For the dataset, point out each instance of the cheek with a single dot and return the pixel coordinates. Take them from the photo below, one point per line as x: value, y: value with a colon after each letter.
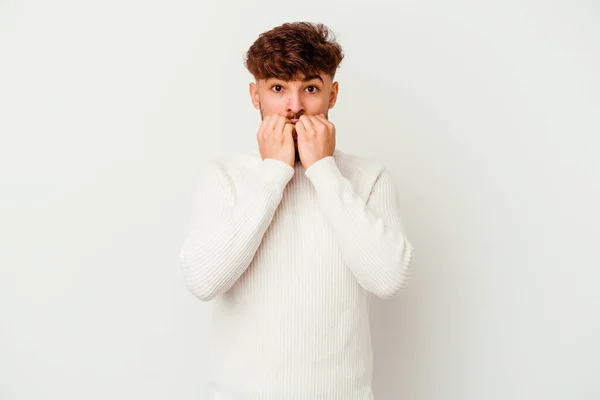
x: 319, y: 106
x: 273, y: 106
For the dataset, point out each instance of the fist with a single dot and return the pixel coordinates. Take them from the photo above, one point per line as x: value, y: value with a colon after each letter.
x: 316, y: 138
x: 275, y: 139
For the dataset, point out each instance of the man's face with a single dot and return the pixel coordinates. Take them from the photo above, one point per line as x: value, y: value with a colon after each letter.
x: 312, y: 95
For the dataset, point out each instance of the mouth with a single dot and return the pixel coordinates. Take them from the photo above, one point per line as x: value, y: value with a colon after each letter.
x: 294, y: 121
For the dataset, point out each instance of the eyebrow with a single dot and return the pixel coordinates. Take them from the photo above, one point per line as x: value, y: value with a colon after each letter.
x: 311, y: 77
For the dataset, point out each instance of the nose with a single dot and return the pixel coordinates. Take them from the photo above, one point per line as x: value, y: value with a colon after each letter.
x: 294, y: 105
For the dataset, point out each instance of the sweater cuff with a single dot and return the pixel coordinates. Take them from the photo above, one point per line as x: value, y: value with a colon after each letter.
x: 324, y: 173
x: 277, y: 173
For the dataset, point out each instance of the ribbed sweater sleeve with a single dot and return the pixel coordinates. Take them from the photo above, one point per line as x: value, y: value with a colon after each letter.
x: 370, y: 235
x: 227, y: 225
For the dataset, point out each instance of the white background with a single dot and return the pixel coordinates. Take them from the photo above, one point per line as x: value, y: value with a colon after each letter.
x: 487, y: 115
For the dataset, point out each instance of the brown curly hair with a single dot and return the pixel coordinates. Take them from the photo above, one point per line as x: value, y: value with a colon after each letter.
x: 293, y: 50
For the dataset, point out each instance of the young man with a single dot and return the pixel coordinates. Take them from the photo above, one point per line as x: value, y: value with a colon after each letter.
x: 291, y: 241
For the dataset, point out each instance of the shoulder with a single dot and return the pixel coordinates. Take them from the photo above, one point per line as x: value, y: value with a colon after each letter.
x: 362, y: 172
x: 233, y: 165
x: 226, y: 173
x: 358, y: 167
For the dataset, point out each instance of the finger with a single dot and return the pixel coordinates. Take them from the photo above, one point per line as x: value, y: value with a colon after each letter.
x: 288, y: 131
x: 330, y: 126
x: 300, y: 128
x: 279, y: 125
x: 263, y: 126
x: 307, y: 123
x: 324, y: 120
x: 294, y: 132
x: 320, y: 126
x: 315, y: 121
x: 270, y: 124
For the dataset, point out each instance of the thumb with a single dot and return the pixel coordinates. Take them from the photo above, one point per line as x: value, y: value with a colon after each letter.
x: 288, y: 130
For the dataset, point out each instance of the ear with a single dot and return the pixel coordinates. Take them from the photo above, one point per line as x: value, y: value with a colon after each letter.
x: 254, y: 95
x: 333, y: 94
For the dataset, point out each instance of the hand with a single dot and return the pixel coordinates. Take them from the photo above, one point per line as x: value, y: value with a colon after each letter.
x: 316, y: 138
x: 275, y: 139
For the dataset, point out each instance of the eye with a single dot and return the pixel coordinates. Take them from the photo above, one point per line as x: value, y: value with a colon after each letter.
x: 277, y: 88
x: 315, y: 89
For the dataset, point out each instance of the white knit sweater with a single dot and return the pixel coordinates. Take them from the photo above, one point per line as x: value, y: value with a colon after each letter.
x: 291, y: 258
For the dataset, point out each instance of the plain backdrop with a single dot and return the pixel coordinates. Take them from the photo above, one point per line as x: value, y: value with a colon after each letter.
x: 485, y: 113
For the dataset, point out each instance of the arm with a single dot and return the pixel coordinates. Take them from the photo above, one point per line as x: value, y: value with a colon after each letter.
x: 226, y: 227
x: 371, y: 236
